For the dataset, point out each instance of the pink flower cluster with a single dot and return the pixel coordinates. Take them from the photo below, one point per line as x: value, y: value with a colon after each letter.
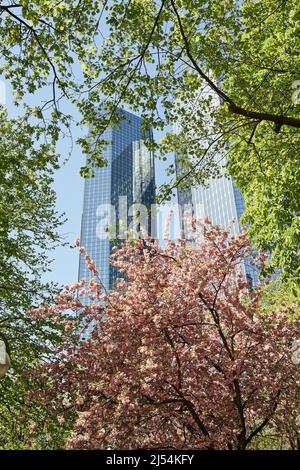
x: 180, y: 355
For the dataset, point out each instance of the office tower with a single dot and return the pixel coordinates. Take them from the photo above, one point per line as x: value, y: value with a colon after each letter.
x: 113, y: 197
x: 219, y: 199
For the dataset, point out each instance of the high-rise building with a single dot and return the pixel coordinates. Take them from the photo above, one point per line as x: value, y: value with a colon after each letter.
x: 221, y: 201
x: 115, y: 194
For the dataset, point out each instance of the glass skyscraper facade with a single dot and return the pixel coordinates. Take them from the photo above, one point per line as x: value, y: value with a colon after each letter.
x: 221, y: 201
x: 114, y: 195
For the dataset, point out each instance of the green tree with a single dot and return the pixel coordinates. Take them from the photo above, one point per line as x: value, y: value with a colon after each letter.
x: 149, y: 53
x: 244, y: 58
x: 278, y: 294
x: 28, y: 229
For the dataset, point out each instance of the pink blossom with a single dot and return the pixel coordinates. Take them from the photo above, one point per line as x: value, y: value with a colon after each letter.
x: 178, y: 355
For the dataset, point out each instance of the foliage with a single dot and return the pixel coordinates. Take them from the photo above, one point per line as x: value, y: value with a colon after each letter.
x: 177, y: 356
x: 28, y: 229
x: 278, y: 294
x: 148, y: 54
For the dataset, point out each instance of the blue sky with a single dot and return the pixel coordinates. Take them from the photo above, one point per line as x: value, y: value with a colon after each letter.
x: 69, y: 187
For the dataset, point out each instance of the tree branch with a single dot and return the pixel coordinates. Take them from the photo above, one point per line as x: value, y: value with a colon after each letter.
x: 232, y: 106
x: 266, y: 420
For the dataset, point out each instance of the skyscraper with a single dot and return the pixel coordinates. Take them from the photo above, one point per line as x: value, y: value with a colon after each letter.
x: 116, y: 192
x: 221, y: 201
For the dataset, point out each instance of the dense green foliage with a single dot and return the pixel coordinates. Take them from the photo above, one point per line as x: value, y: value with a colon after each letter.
x: 28, y: 228
x: 148, y: 53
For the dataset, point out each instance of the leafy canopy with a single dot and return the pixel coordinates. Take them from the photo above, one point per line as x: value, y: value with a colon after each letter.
x: 28, y: 230
x: 147, y: 54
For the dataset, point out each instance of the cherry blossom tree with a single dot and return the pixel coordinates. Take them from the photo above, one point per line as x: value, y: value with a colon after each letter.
x: 180, y: 355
